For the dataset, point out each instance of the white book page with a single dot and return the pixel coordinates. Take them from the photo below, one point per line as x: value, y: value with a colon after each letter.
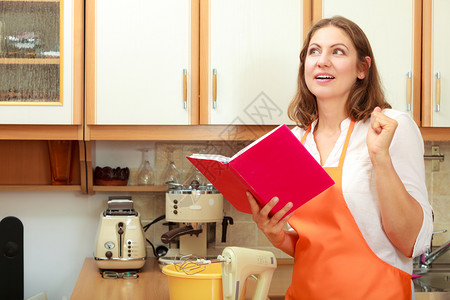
x: 225, y: 159
x: 216, y: 157
x: 254, y: 143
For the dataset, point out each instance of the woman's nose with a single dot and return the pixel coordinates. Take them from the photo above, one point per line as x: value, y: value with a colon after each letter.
x: 323, y: 60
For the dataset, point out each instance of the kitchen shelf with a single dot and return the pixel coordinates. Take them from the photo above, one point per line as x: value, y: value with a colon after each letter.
x: 435, y: 133
x: 56, y: 1
x: 176, y: 132
x: 25, y: 187
x: 129, y: 188
x: 29, y: 61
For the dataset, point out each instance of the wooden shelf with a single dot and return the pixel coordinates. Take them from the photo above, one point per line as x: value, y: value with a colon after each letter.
x: 129, y: 188
x: 41, y: 132
x: 25, y: 187
x: 176, y: 132
x: 441, y: 134
x: 29, y: 61
x: 56, y: 1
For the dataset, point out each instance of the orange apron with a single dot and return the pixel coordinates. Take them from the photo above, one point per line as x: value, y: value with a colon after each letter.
x: 332, y: 258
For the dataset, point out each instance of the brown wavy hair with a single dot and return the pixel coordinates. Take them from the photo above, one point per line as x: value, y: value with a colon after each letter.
x: 366, y: 93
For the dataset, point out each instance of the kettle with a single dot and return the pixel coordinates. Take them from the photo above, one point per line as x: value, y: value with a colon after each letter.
x: 120, y: 241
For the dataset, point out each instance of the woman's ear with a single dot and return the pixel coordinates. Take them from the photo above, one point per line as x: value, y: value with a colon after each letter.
x: 364, y: 68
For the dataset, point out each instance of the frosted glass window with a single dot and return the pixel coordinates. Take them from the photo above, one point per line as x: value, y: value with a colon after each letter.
x: 30, y: 68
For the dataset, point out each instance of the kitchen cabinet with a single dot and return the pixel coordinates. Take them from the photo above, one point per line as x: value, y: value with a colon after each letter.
x: 436, y: 66
x: 250, y: 58
x: 155, y: 67
x: 41, y: 92
x: 41, y: 67
x: 394, y: 31
x: 142, y: 62
x: 409, y: 42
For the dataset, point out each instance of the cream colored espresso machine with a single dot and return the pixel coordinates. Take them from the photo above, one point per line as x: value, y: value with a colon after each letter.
x: 193, y: 209
x: 120, y: 242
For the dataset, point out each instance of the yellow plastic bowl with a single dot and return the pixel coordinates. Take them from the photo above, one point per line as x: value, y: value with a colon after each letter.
x: 205, y: 285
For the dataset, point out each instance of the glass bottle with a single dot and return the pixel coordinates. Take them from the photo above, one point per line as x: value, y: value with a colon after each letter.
x: 145, y: 172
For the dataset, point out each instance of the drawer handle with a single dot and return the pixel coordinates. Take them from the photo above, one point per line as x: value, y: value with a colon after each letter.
x: 214, y: 91
x: 438, y: 92
x: 408, y: 91
x: 185, y: 88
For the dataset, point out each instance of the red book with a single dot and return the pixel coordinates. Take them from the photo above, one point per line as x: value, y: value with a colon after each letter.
x: 277, y: 164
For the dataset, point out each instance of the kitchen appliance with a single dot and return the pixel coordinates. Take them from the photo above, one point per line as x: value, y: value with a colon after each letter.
x: 120, y: 242
x: 11, y: 258
x: 193, y: 207
x: 199, y: 279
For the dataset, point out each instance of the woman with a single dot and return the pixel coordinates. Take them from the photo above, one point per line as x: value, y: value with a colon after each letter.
x: 357, y: 239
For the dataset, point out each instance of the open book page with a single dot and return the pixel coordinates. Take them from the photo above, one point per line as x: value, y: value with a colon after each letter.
x: 254, y: 143
x: 225, y: 159
x: 216, y: 157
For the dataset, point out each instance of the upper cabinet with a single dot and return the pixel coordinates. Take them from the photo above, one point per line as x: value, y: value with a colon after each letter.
x: 41, y: 67
x: 189, y: 62
x: 140, y: 62
x: 249, y: 60
x: 436, y: 65
x: 408, y: 38
x: 394, y: 31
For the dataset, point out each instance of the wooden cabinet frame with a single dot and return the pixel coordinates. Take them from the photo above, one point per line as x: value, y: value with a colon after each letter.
x: 60, y: 132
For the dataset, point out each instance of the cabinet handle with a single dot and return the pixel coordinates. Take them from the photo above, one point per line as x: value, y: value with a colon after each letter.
x: 185, y: 88
x: 408, y: 91
x: 438, y: 91
x: 214, y: 91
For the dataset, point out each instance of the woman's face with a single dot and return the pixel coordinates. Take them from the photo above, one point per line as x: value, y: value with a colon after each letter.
x: 331, y: 65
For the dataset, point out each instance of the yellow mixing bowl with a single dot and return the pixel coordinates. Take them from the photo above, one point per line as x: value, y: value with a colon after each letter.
x: 205, y: 285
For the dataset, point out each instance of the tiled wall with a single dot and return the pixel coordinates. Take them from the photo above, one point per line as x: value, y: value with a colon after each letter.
x: 244, y: 231
x: 438, y: 184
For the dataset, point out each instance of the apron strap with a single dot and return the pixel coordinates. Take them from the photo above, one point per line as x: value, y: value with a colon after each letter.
x: 347, y: 139
x: 305, y: 134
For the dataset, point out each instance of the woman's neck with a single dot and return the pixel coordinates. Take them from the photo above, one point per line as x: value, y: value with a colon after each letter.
x: 330, y: 117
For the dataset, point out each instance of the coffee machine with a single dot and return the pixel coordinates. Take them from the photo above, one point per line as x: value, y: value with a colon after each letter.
x: 193, y: 207
x: 120, y: 242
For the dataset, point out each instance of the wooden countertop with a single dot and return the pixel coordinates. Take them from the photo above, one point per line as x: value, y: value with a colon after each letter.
x: 152, y: 283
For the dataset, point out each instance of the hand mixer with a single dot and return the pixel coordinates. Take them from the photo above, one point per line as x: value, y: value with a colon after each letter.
x: 237, y: 265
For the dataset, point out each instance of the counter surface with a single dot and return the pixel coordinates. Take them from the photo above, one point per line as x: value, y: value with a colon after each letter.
x: 152, y: 283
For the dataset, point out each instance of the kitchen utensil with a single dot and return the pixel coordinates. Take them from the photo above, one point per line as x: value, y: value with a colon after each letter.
x: 120, y: 242
x: 236, y: 265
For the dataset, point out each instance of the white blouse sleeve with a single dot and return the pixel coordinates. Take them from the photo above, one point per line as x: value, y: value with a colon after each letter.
x: 407, y: 150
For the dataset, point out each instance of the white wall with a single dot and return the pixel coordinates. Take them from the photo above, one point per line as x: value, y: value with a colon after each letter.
x: 59, y: 233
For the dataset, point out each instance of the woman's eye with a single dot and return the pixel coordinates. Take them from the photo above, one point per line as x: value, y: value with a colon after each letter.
x: 338, y: 52
x: 313, y: 51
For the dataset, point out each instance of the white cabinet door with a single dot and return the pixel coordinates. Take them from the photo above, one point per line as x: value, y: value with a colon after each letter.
x: 389, y: 26
x: 254, y: 49
x: 440, y: 64
x: 142, y: 51
x: 37, y: 59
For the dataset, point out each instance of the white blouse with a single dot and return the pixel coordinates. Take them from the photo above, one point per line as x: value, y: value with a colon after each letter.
x: 358, y: 182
